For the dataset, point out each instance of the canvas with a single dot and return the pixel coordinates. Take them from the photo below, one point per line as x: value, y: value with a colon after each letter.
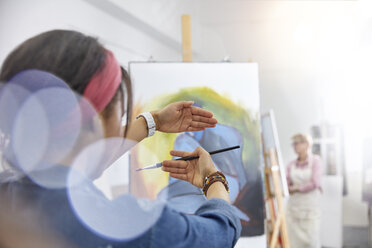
x: 231, y: 92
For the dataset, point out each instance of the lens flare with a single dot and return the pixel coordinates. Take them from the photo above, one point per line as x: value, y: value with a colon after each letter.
x: 124, y: 218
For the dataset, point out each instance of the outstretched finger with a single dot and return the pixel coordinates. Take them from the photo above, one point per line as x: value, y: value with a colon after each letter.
x: 201, y: 124
x: 174, y: 170
x: 179, y: 176
x: 184, y: 104
x: 193, y: 129
x: 198, y: 118
x: 175, y: 164
x: 177, y: 153
x: 201, y: 112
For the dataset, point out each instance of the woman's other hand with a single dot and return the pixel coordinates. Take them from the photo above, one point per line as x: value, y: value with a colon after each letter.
x: 182, y: 116
x: 293, y: 189
x: 193, y: 171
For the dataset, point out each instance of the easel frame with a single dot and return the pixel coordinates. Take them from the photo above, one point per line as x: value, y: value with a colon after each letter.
x: 276, y: 188
x: 274, y: 143
x: 275, y: 202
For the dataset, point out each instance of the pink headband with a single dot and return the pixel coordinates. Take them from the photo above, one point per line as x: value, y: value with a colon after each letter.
x: 104, y: 83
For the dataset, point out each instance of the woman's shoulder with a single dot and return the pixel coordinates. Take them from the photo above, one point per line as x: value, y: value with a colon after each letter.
x: 292, y: 162
x: 317, y: 158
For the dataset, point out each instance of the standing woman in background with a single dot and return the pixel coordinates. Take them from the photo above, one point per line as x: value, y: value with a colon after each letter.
x: 304, y: 183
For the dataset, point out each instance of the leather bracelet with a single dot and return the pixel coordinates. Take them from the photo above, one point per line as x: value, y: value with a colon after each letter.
x: 215, y: 177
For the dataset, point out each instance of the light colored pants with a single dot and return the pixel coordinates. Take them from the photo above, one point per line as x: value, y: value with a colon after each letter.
x: 303, y: 232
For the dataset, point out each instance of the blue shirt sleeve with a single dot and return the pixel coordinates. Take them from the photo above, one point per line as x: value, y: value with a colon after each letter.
x: 215, y: 224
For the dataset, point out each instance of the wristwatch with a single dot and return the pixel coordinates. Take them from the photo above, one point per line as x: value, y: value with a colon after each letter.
x: 151, y: 126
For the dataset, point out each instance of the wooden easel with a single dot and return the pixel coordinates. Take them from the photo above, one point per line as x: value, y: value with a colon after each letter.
x: 186, y: 38
x: 278, y: 236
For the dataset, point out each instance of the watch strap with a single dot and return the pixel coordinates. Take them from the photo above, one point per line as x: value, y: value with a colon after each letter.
x: 151, y: 125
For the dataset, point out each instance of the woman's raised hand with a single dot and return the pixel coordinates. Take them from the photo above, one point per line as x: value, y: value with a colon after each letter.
x: 193, y: 171
x: 182, y: 116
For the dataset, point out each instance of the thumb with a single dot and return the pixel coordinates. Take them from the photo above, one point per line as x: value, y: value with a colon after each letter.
x: 184, y: 104
x: 199, y: 151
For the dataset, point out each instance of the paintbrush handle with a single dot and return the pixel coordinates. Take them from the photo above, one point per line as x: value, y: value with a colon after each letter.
x: 211, y: 153
x: 188, y: 158
x: 224, y: 150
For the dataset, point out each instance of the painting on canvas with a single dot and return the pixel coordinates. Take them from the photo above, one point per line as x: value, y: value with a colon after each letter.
x: 231, y: 92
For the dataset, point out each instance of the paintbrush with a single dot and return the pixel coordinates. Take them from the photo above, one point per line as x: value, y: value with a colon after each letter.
x: 158, y: 165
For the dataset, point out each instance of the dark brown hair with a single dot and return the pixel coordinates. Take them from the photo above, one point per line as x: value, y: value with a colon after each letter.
x: 70, y: 55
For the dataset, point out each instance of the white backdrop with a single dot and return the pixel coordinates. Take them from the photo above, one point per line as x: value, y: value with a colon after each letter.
x: 225, y: 78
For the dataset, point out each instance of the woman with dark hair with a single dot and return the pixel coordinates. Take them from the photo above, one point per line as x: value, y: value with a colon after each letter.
x: 89, y: 70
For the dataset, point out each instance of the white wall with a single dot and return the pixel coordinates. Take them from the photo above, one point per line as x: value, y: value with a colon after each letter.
x: 296, y: 44
x: 22, y: 19
x: 314, y: 65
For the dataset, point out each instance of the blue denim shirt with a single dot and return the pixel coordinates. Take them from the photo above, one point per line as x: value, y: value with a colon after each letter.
x: 215, y: 223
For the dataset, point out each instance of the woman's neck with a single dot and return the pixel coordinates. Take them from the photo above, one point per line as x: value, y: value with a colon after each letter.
x: 302, y: 157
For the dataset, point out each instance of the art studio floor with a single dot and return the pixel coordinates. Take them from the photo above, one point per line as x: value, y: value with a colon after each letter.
x: 355, y: 237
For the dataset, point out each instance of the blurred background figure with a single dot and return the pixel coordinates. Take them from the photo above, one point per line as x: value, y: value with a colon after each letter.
x: 304, y: 183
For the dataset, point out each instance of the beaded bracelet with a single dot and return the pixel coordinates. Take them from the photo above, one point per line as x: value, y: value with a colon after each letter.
x: 215, y: 177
